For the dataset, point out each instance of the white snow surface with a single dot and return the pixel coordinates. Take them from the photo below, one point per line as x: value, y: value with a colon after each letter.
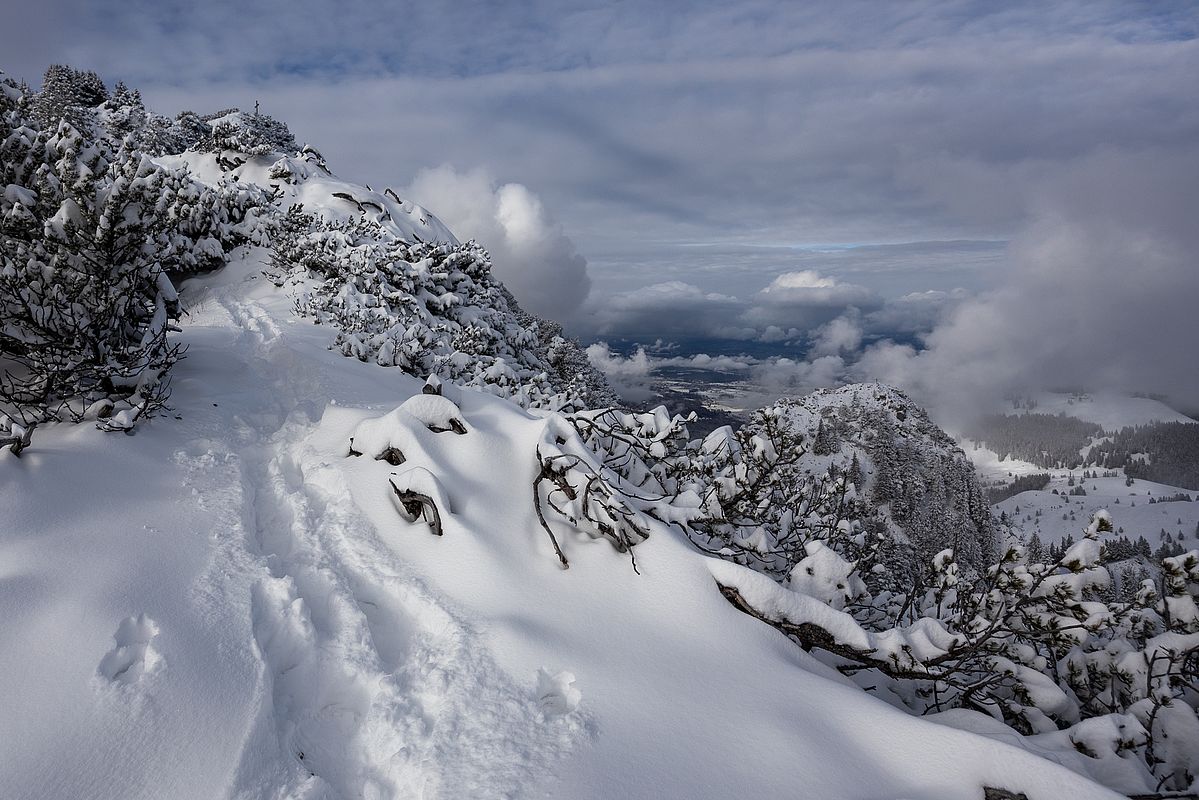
x: 227, y: 605
x: 1042, y: 511
x: 1110, y: 410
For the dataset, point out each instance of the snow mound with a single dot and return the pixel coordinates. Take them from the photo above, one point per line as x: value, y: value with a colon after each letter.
x: 420, y: 495
x: 556, y: 693
x: 394, y: 437
x: 435, y: 412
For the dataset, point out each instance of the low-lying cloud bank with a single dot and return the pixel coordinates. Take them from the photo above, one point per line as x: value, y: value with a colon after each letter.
x: 1101, y: 292
x: 792, y: 306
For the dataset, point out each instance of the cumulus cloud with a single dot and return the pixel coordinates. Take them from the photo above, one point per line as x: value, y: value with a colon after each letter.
x: 774, y: 333
x: 804, y: 280
x: 628, y: 375
x: 785, y: 376
x: 718, y: 363
x: 529, y: 251
x: 616, y: 366
x: 792, y: 304
x: 914, y: 313
x: 806, y: 299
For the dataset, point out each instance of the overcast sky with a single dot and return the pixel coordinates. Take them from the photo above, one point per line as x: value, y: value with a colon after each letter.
x: 760, y: 167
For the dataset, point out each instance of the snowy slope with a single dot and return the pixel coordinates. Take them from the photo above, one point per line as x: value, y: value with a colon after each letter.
x: 1132, y: 513
x: 1110, y: 410
x: 1052, y: 516
x: 227, y: 605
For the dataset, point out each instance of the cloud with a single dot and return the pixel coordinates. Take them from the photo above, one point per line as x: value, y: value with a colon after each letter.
x: 825, y: 121
x: 791, y: 304
x: 804, y: 280
x: 616, y: 366
x: 774, y: 333
x: 794, y: 306
x: 806, y: 299
x: 842, y: 335
x: 672, y: 309
x: 785, y: 376
x: 529, y: 251
x: 1101, y: 294
x: 718, y: 363
x: 915, y: 313
x: 628, y: 375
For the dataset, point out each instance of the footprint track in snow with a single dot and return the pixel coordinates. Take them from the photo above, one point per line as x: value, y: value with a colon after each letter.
x: 379, y: 686
x: 383, y: 691
x: 134, y: 655
x: 253, y: 318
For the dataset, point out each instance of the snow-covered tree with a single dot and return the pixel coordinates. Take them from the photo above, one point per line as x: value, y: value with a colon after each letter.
x: 68, y: 94
x: 89, y: 232
x: 1045, y: 648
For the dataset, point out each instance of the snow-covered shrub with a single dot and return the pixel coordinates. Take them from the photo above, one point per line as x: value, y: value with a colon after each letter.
x: 86, y: 302
x: 887, y: 489
x: 429, y: 309
x: 573, y: 482
x: 307, y: 162
x: 1030, y: 644
x: 123, y: 117
x: 1044, y: 647
x: 751, y: 497
x: 250, y: 134
x: 88, y: 234
x: 566, y: 363
x: 217, y: 219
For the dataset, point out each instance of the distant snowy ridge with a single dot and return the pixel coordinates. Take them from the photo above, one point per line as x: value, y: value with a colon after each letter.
x: 1109, y: 410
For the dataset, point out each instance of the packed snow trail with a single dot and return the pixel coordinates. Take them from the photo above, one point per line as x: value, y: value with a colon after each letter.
x: 335, y: 676
x: 374, y: 687
x: 229, y: 605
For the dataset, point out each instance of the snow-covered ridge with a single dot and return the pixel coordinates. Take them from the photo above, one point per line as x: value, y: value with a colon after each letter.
x: 1110, y: 410
x: 302, y: 179
x: 390, y: 279
x: 319, y: 578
